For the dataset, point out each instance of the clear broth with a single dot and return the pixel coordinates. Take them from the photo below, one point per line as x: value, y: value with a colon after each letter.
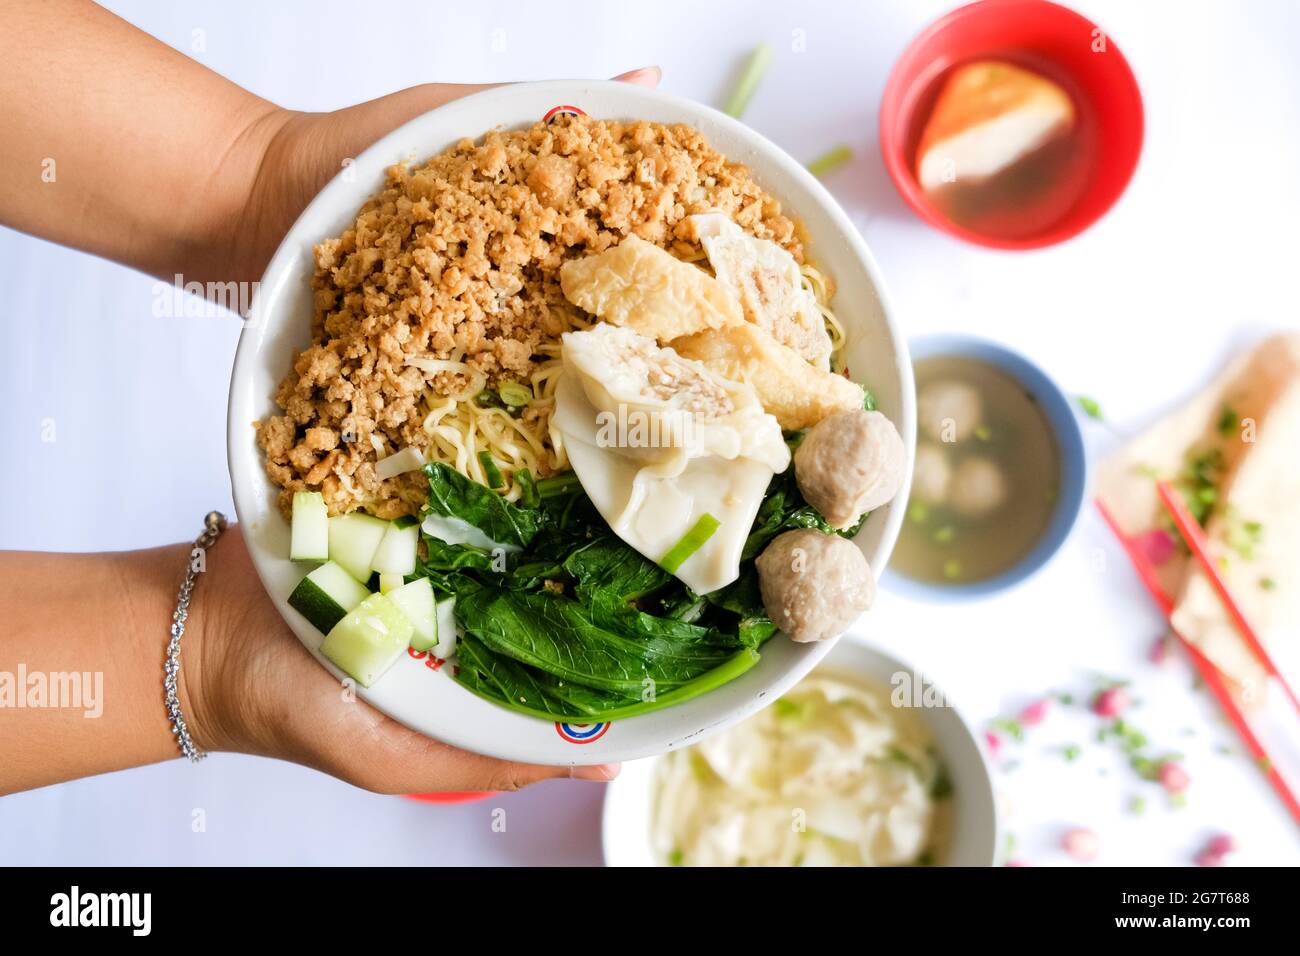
x: 942, y: 546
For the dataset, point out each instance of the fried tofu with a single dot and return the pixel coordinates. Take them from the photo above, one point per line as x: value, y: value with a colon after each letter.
x: 796, y: 393
x: 641, y: 287
x: 767, y: 281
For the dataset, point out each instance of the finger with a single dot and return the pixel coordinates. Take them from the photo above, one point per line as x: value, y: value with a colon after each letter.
x: 444, y: 767
x: 387, y: 757
x: 645, y: 76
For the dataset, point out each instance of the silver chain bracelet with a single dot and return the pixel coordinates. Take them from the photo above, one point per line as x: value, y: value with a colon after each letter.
x: 213, y: 524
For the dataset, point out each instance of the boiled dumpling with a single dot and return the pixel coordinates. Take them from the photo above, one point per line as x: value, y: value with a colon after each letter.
x: 652, y: 498
x: 798, y: 394
x: 766, y: 279
x: 640, y: 286
x: 657, y: 406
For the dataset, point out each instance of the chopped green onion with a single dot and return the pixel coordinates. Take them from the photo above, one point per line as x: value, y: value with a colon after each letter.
x: 868, y: 400
x: 918, y: 512
x: 830, y: 160
x: 490, y: 471
x: 941, y: 787
x: 749, y: 80
x: 514, y: 394
x: 944, y: 535
x: 952, y: 570
x: 1012, y: 728
x: 1228, y: 422
x: 558, y: 485
x: 691, y: 542
x: 1091, y: 407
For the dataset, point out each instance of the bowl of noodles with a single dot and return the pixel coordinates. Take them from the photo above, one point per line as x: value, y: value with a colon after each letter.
x: 506, y: 450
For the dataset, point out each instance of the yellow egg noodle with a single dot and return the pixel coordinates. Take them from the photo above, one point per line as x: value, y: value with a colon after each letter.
x: 459, y: 427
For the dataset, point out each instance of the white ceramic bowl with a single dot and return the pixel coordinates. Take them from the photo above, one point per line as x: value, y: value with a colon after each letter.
x: 413, y: 692
x: 975, y: 838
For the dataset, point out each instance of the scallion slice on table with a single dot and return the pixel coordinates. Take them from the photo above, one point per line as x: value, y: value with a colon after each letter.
x: 831, y: 160
x: 491, y: 473
x: 691, y: 542
x: 749, y: 80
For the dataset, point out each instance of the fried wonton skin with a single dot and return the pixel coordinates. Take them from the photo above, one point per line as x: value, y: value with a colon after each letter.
x: 796, y: 393
x: 989, y: 115
x: 1238, y: 438
x: 769, y: 284
x: 641, y: 287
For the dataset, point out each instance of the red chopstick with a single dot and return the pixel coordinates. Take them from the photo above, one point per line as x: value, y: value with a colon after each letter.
x: 1195, y: 537
x: 1204, y: 666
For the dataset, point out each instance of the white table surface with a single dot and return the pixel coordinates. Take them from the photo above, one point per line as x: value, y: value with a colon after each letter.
x: 1198, y: 259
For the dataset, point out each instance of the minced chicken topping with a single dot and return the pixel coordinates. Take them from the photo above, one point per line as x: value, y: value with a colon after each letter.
x: 459, y: 258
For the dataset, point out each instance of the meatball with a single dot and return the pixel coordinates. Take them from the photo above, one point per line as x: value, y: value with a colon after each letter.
x: 931, y: 475
x: 814, y: 585
x: 949, y: 411
x: 849, y: 463
x: 978, y: 487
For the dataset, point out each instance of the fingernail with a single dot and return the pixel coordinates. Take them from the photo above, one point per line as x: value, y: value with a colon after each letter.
x: 645, y: 76
x: 598, y: 773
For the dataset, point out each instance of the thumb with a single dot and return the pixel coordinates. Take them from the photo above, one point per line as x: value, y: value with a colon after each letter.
x: 364, y: 123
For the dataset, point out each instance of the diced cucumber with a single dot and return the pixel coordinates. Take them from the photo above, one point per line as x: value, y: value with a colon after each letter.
x: 369, y: 639
x: 309, y: 530
x: 390, y: 582
x: 396, y: 551
x: 326, y: 595
x: 447, y: 630
x: 415, y: 600
x: 354, y: 539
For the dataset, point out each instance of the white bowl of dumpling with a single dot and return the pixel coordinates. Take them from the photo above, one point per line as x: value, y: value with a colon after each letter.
x: 863, y: 763
x: 418, y: 691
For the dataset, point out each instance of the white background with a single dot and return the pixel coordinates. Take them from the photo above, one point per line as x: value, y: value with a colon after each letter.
x: 1199, y: 259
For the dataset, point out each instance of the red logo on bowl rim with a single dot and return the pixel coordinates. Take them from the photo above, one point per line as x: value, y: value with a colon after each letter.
x: 565, y: 110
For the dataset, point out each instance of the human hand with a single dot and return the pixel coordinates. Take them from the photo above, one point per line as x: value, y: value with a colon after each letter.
x: 301, y: 152
x: 250, y: 686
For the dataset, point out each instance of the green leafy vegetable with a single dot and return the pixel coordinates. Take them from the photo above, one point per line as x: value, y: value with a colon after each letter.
x: 495, y: 480
x: 528, y: 494
x: 453, y: 495
x: 558, y: 485
x: 569, y: 622
x: 560, y: 636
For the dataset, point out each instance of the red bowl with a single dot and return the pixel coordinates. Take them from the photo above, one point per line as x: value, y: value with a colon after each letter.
x: 1047, y: 38
x: 451, y: 796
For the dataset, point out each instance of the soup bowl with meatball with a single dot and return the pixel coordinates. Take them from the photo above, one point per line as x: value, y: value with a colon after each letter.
x: 999, y: 474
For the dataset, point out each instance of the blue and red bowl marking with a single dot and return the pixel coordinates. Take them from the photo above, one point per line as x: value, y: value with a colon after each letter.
x: 581, y: 733
x: 555, y: 111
